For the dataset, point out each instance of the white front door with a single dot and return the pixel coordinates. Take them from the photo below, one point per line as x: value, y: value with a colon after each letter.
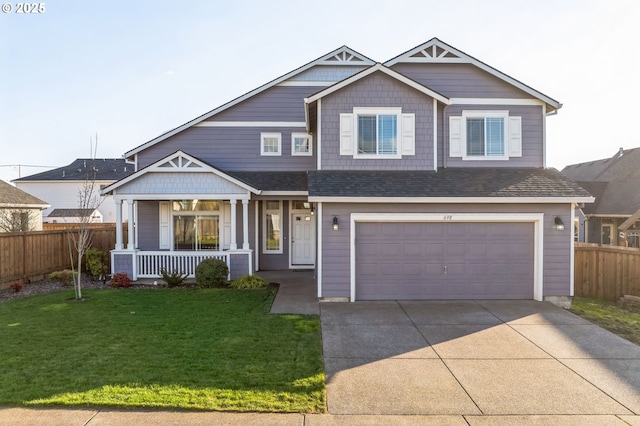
x: 303, y: 240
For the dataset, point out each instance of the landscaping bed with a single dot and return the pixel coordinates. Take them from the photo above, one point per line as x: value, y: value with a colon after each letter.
x: 621, y: 318
x: 181, y: 348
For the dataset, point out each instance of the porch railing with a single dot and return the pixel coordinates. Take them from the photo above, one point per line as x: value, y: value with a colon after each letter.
x: 149, y: 263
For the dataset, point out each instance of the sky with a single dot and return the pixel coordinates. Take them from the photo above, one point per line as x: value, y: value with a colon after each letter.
x: 124, y: 72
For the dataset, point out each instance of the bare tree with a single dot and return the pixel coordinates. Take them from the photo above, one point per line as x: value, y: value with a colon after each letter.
x: 88, y: 201
x: 18, y: 220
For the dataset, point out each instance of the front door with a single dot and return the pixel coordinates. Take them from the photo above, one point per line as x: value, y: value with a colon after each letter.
x: 606, y: 236
x: 303, y: 239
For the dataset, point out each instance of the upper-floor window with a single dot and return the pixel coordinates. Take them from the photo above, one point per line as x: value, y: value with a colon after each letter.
x: 485, y: 135
x: 301, y: 144
x: 377, y: 133
x: 270, y: 143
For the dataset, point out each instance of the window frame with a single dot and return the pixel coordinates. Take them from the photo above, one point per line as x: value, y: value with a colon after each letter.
x: 301, y: 135
x: 470, y: 114
x: 269, y: 135
x: 265, y: 212
x: 196, y: 214
x: 369, y: 111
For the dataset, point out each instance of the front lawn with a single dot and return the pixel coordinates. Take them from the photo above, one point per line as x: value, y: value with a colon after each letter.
x: 619, y: 318
x: 209, y: 349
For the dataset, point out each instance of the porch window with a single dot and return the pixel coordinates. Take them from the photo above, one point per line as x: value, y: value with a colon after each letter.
x: 271, y: 227
x: 196, y: 225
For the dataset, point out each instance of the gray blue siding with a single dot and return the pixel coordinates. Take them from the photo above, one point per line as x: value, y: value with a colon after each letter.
x: 327, y: 73
x: 148, y: 225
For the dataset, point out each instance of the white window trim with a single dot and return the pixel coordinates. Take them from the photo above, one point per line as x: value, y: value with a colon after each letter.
x: 264, y: 227
x: 265, y: 135
x: 466, y: 114
x: 295, y: 135
x: 173, y: 213
x: 377, y: 111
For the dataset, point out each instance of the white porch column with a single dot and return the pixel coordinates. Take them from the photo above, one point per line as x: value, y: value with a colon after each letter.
x: 234, y: 241
x: 245, y: 224
x: 118, y: 224
x: 130, y: 235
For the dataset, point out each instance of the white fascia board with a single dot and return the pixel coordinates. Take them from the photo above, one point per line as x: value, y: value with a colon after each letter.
x: 141, y: 197
x: 24, y: 206
x: 205, y: 168
x: 454, y: 200
x: 371, y: 70
x: 365, y: 61
x: 496, y: 101
x: 464, y: 58
x: 446, y: 217
x: 251, y: 124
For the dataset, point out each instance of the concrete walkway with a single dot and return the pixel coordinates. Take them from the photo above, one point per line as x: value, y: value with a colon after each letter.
x: 433, y: 363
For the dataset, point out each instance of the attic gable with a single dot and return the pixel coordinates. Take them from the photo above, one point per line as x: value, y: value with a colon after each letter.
x: 344, y: 56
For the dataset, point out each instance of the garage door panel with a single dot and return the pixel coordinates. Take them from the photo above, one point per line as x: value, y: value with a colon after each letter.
x: 407, y: 261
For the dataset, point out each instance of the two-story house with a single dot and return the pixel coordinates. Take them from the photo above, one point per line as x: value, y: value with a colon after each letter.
x: 422, y: 177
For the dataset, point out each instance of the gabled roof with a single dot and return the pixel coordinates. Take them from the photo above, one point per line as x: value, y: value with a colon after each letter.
x: 341, y: 56
x: 519, y: 185
x: 12, y: 197
x: 72, y: 212
x: 103, y: 169
x: 179, y: 161
x: 437, y: 51
x: 614, y: 181
x: 375, y: 68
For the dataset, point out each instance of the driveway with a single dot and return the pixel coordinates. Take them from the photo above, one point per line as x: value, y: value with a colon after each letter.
x: 475, y: 358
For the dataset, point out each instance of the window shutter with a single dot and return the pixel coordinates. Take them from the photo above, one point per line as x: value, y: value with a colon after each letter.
x: 515, y: 137
x: 455, y: 136
x: 408, y: 134
x: 164, y: 219
x: 346, y: 134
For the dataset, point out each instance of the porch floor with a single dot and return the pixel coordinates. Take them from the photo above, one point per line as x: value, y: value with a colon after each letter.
x: 297, y: 293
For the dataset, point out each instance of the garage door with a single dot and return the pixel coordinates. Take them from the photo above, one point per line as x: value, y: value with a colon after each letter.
x: 451, y: 260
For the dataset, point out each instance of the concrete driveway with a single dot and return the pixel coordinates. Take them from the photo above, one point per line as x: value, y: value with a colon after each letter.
x: 476, y: 358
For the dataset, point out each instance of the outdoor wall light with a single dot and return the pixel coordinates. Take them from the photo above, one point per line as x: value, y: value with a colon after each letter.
x: 335, y: 223
x: 558, y: 225
x: 308, y: 205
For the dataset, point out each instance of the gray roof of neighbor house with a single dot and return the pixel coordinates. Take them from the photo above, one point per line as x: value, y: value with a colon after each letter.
x: 450, y: 182
x: 71, y: 212
x: 10, y: 196
x: 103, y: 169
x: 614, y: 181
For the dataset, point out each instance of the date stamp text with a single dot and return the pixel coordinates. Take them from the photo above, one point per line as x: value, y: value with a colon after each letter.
x: 24, y: 8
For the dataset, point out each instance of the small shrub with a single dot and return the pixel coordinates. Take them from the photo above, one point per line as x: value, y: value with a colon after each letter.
x: 16, y: 287
x: 96, y: 262
x: 249, y: 281
x: 212, y: 273
x: 174, y: 278
x: 120, y: 279
x: 66, y: 277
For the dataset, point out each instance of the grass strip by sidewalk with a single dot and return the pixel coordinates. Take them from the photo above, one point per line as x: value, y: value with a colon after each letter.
x: 621, y: 319
x: 208, y: 349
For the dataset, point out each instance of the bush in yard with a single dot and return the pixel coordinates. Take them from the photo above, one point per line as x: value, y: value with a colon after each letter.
x: 212, y: 273
x: 174, y: 278
x: 120, y: 279
x: 66, y: 277
x: 96, y: 262
x: 249, y: 281
x: 16, y: 287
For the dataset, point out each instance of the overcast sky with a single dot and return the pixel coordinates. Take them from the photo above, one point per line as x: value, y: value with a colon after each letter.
x: 130, y: 70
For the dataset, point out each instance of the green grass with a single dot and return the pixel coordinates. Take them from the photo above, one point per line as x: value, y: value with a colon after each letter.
x: 621, y: 319
x: 206, y: 349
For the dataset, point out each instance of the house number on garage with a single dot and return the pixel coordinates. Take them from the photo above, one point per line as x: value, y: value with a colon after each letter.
x: 448, y: 217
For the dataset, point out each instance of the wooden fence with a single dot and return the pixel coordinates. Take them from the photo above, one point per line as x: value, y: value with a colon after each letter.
x: 606, y: 272
x: 30, y: 256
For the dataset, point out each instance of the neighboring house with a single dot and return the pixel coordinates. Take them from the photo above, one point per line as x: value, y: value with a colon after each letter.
x: 614, y: 218
x: 19, y: 211
x: 75, y: 216
x: 419, y: 178
x: 61, y: 186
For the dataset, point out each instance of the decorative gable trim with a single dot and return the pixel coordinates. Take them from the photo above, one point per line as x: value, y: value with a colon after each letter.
x: 388, y: 71
x: 436, y: 51
x: 178, y: 162
x: 341, y: 56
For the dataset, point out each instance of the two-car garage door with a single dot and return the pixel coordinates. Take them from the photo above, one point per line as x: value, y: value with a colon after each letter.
x: 444, y: 260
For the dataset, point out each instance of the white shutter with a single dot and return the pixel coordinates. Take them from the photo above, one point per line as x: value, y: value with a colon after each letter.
x: 515, y: 136
x: 346, y: 134
x: 164, y: 219
x: 455, y: 136
x: 408, y: 134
